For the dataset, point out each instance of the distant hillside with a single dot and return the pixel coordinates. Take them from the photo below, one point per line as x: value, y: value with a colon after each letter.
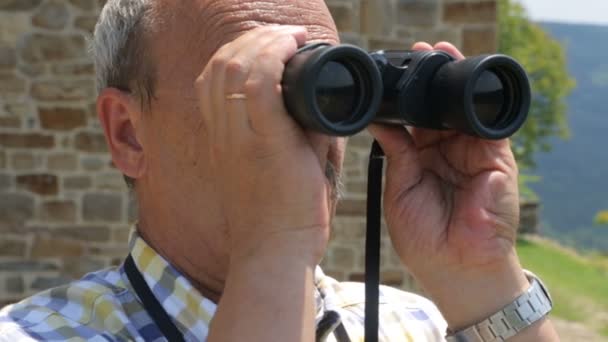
x: 574, y: 185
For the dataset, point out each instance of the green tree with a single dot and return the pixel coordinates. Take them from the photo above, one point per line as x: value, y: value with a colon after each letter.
x: 545, y: 61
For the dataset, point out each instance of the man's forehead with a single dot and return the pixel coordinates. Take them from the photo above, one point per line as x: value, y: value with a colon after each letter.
x: 220, y: 21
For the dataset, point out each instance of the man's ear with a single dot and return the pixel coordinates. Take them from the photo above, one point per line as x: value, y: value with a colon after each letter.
x: 120, y: 114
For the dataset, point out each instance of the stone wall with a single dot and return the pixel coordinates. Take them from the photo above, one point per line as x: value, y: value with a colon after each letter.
x: 64, y: 209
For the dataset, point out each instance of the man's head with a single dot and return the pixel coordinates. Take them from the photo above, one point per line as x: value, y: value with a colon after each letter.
x: 148, y: 54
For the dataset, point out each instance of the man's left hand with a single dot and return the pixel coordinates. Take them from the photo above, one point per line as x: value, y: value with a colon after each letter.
x: 452, y: 208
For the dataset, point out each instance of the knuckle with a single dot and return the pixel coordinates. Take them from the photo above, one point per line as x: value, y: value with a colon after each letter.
x: 254, y: 88
x: 236, y: 67
x: 219, y: 62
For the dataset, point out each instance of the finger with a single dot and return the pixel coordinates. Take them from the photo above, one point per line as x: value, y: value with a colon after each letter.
x: 236, y: 72
x: 422, y: 46
x: 449, y: 48
x: 239, y: 68
x: 263, y: 88
x: 401, y: 153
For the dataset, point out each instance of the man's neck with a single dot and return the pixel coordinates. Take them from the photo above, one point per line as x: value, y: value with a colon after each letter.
x: 193, y: 257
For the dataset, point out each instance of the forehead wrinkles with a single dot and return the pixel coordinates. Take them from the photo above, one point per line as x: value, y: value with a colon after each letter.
x: 221, y: 21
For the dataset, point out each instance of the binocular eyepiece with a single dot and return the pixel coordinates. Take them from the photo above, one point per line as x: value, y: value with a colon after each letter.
x: 340, y: 90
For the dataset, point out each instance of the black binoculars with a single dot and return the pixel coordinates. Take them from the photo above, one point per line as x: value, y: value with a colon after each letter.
x: 339, y: 90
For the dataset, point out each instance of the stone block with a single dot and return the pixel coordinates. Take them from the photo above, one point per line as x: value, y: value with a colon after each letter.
x: 102, y: 207
x: 345, y: 17
x: 52, y: 15
x: 392, y: 278
x: 15, y: 209
x: 6, y: 182
x: 27, y: 266
x: 356, y: 188
x: 8, y: 57
x: 76, y: 268
x: 20, y: 109
x: 48, y: 247
x: 85, y: 5
x: 13, y: 248
x: 362, y: 141
x: 382, y: 43
x: 10, y: 122
x: 27, y: 140
x: 14, y: 285
x: 351, y: 207
x: 58, y: 211
x: 25, y: 161
x: 77, y: 182
x: 342, y: 258
x: 11, y: 85
x: 90, y: 142
x: 33, y: 71
x: 2, y: 159
x: 43, y: 283
x: 62, y: 162
x: 132, y: 210
x: 86, y: 23
x: 44, y: 47
x: 121, y: 235
x: 418, y: 12
x: 470, y: 12
x: 63, y: 90
x: 73, y: 69
x: 84, y: 233
x: 13, y: 26
x: 91, y: 163
x: 18, y: 5
x: 41, y: 184
x: 479, y: 40
x: 62, y: 118
x: 110, y: 181
x: 348, y: 229
x: 433, y: 35
x: 377, y: 17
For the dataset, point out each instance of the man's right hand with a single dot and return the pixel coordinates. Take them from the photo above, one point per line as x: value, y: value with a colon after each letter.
x: 269, y: 179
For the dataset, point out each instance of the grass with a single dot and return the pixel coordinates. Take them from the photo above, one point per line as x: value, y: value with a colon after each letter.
x: 579, y: 285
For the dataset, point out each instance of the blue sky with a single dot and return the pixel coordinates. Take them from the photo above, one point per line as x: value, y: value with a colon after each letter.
x: 576, y: 11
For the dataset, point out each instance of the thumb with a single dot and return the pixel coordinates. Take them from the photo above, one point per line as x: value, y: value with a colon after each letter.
x: 402, y: 155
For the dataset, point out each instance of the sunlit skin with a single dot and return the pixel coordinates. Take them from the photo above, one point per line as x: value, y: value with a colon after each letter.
x: 234, y: 193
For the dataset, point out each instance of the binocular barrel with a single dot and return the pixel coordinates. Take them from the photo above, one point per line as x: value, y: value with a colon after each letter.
x: 340, y: 90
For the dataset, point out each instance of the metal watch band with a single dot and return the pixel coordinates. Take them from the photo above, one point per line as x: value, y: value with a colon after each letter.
x: 528, y: 308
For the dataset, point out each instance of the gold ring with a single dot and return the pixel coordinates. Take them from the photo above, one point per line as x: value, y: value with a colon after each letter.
x: 236, y: 96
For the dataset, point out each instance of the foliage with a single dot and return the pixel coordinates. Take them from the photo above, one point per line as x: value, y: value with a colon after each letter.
x: 601, y: 218
x: 545, y: 61
x: 525, y: 192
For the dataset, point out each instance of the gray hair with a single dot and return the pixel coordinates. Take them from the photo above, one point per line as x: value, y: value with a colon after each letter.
x: 118, y: 47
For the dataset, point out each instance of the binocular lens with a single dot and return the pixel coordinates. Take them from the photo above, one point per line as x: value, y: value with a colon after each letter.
x: 337, y: 92
x: 489, y: 99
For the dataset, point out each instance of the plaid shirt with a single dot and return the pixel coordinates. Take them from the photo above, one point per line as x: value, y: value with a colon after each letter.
x: 102, y: 306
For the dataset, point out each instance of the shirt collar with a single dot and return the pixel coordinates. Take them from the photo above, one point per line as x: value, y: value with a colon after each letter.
x: 190, y: 310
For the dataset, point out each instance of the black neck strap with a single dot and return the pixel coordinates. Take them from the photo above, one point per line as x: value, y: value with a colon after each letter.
x: 151, y: 304
x: 372, y: 242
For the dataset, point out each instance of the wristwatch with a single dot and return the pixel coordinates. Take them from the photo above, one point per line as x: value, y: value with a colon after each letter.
x: 524, y: 311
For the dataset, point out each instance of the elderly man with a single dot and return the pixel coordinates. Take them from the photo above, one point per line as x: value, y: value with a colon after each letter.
x: 236, y: 200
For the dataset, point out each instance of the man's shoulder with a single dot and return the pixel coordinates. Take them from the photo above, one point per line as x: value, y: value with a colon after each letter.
x: 71, y: 307
x: 353, y: 293
x: 399, y: 310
